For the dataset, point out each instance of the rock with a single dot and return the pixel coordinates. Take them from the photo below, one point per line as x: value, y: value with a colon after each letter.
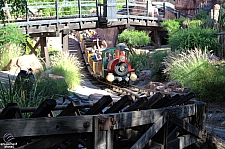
x: 155, y: 86
x: 145, y: 75
x: 24, y: 63
x: 173, y: 85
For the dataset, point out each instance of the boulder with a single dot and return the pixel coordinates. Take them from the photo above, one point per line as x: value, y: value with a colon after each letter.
x: 156, y: 86
x: 24, y: 63
x: 145, y: 75
x: 173, y: 85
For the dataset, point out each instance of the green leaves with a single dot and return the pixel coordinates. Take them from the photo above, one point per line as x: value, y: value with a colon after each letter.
x: 134, y: 38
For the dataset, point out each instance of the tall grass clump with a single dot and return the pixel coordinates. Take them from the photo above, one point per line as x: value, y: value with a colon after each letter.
x: 7, y: 52
x: 66, y: 65
x: 193, y: 69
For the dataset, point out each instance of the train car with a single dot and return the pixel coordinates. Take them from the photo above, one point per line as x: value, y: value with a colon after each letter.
x: 113, y: 66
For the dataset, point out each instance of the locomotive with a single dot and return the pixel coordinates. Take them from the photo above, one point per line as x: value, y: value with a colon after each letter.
x: 114, y: 65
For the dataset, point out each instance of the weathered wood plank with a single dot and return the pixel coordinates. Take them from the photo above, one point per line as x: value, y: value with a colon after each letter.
x: 100, y: 105
x: 137, y: 104
x: 145, y: 138
x: 186, y: 126
x: 152, y: 100
x: 46, y: 141
x: 45, y: 126
x: 45, y: 108
x: 120, y: 104
x: 10, y: 111
x: 181, y: 142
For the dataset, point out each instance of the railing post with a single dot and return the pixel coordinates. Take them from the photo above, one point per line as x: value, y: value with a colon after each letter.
x: 164, y: 8
x: 147, y: 6
x: 79, y: 7
x: 128, y: 13
x: 57, y: 12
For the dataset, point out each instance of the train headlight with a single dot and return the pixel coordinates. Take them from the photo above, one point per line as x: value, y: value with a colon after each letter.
x: 133, y: 77
x: 110, y: 77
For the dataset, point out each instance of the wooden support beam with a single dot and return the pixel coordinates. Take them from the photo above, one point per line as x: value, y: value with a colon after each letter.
x: 47, y: 141
x: 99, y: 105
x: 43, y: 45
x: 120, y: 104
x: 12, y: 110
x: 33, y: 49
x: 144, y: 139
x: 45, y: 108
x: 65, y: 42
x: 185, y: 125
x: 137, y: 104
x: 152, y: 100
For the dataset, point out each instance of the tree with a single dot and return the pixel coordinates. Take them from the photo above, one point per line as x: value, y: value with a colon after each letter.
x: 18, y: 7
x: 134, y: 38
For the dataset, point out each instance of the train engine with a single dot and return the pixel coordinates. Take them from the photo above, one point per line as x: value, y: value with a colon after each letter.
x: 119, y: 69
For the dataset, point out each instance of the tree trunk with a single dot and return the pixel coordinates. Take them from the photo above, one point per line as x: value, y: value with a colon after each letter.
x: 7, y: 11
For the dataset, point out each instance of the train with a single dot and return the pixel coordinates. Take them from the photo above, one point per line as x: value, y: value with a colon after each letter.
x: 110, y: 64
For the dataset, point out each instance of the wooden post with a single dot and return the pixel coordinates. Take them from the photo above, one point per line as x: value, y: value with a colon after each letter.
x: 164, y: 8
x: 99, y: 136
x: 65, y: 42
x: 57, y: 12
x: 79, y: 7
x: 128, y: 13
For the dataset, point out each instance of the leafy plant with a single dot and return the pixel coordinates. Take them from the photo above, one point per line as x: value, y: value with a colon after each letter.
x: 140, y: 62
x: 201, y: 38
x: 157, y: 66
x: 11, y: 34
x: 134, y: 38
x: 171, y: 25
x: 66, y: 65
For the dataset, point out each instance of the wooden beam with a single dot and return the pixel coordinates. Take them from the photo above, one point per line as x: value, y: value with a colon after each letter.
x: 47, y: 141
x: 45, y: 126
x: 145, y: 138
x: 33, y: 49
x: 100, y: 105
x: 44, y: 109
x: 186, y: 126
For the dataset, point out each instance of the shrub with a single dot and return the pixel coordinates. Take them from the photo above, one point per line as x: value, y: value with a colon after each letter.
x: 157, y: 66
x: 171, y: 25
x: 133, y: 38
x: 201, y: 38
x: 193, y: 69
x: 9, y: 51
x: 66, y: 65
x: 140, y: 62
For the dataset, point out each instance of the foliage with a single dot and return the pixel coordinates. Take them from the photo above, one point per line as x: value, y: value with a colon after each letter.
x: 9, y: 51
x: 49, y: 87
x: 66, y: 65
x: 156, y: 64
x: 18, y: 8
x: 134, y: 38
x: 171, y: 25
x: 201, y: 38
x: 11, y: 34
x: 194, y: 23
x: 195, y: 70
x: 201, y: 15
x: 140, y: 62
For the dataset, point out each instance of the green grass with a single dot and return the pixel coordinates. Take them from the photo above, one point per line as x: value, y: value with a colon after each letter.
x: 66, y: 65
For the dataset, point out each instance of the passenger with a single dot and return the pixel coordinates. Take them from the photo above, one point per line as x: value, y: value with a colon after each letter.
x: 103, y: 45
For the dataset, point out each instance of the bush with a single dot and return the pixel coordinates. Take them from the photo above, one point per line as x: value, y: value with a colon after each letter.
x: 140, y: 62
x: 171, y: 25
x: 157, y: 66
x: 133, y: 38
x: 193, y: 69
x: 66, y: 65
x: 201, y: 38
